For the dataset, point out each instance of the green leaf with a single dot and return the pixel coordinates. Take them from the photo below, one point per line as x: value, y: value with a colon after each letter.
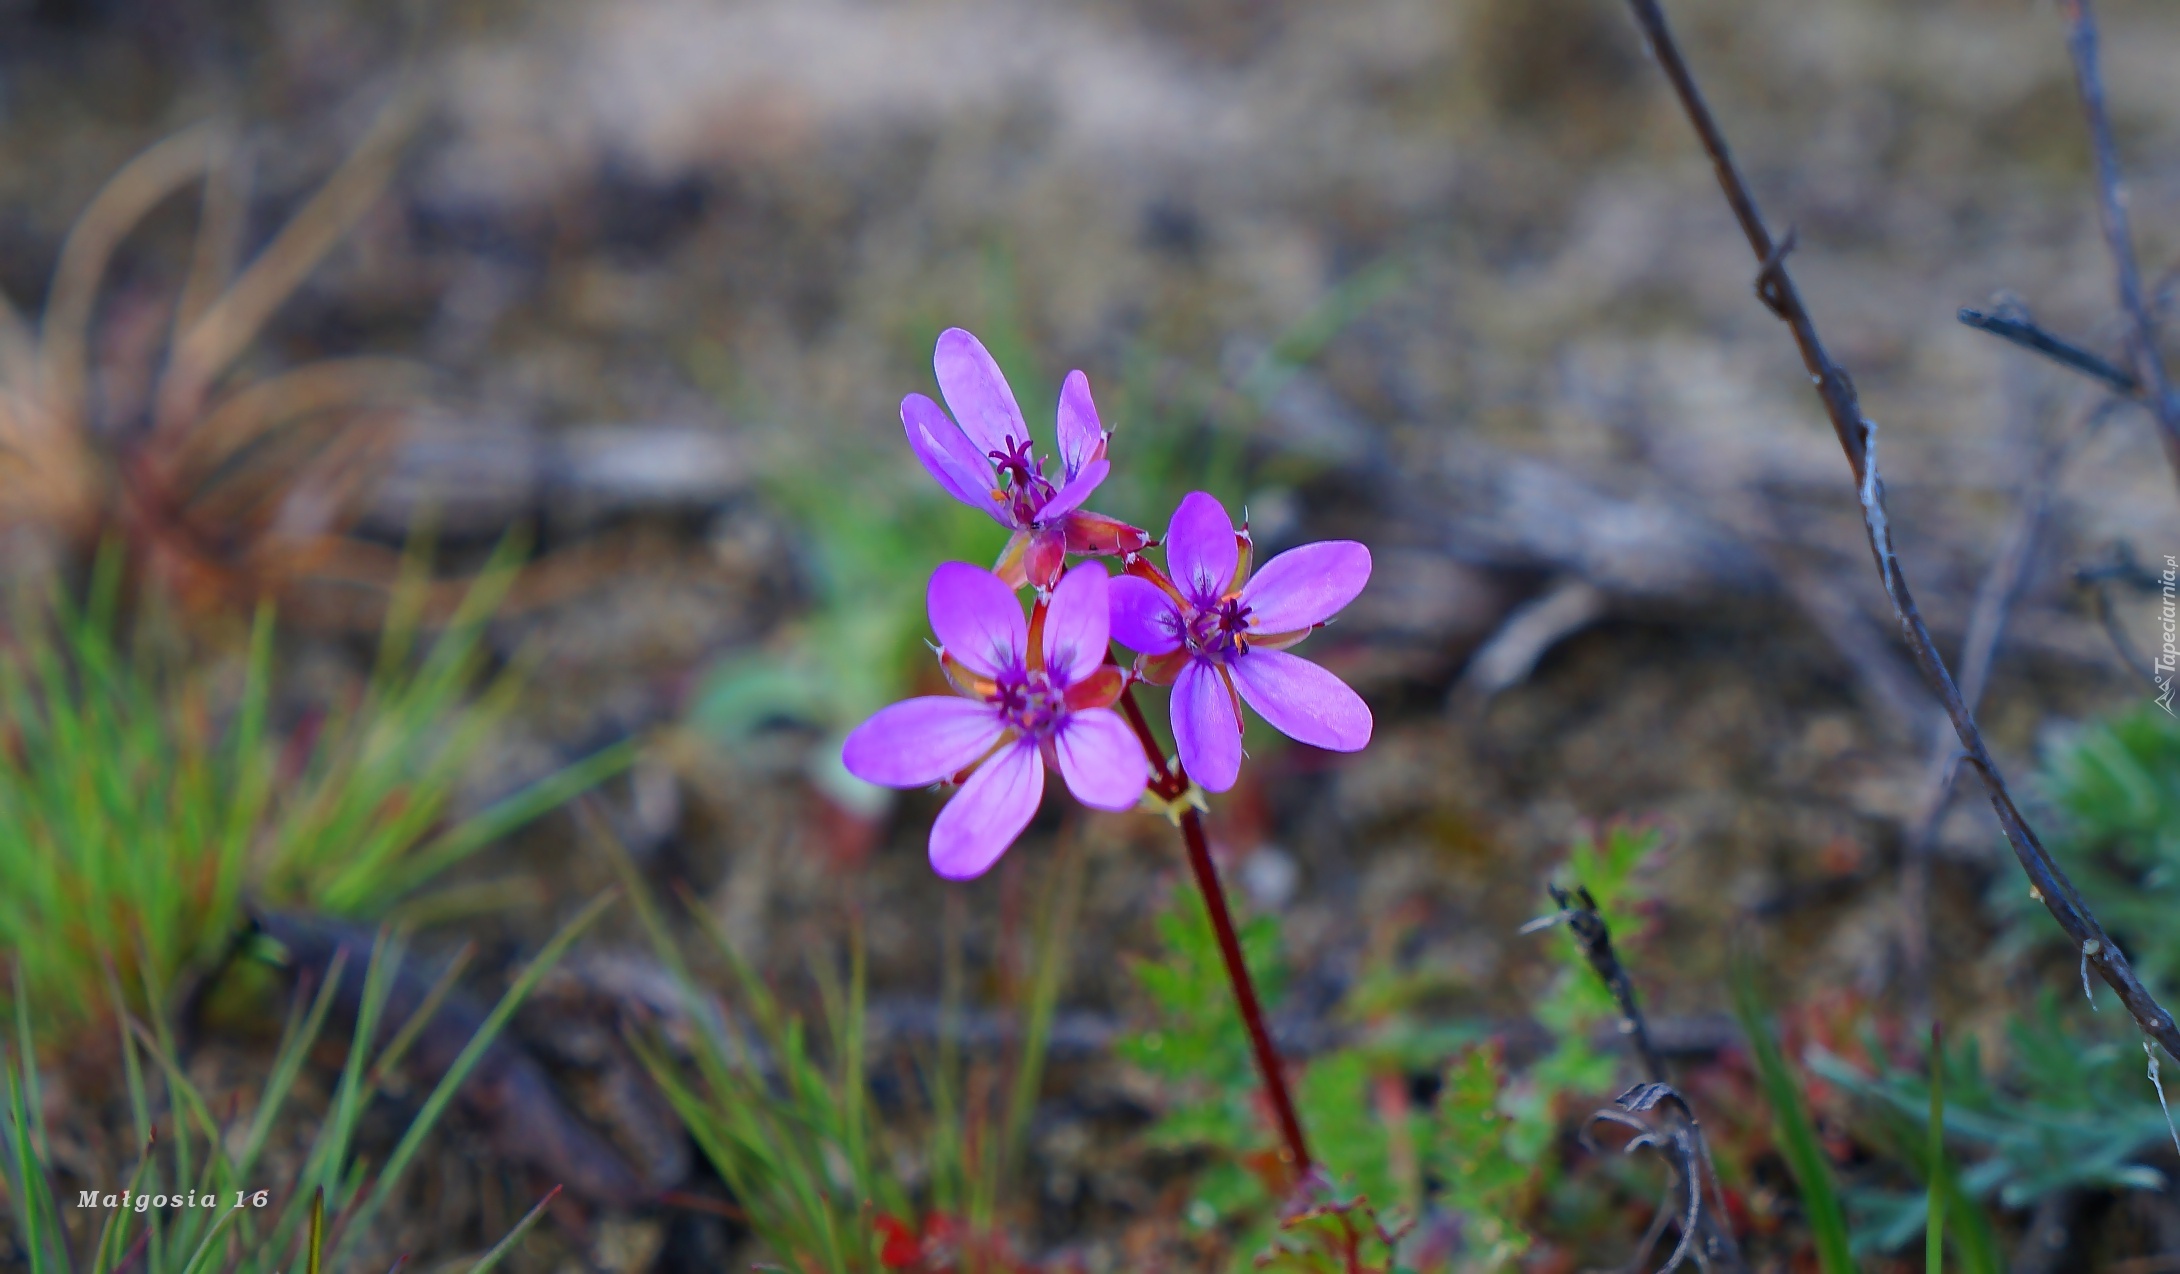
x: 1797, y: 1136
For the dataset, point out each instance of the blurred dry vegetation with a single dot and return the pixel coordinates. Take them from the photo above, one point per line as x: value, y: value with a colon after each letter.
x: 1446, y: 276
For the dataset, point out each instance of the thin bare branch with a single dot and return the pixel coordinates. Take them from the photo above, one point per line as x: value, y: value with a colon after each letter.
x: 1674, y: 1134
x: 1705, y: 1232
x: 2120, y: 567
x: 2023, y: 330
x: 1858, y: 439
x: 1995, y: 597
x: 2081, y: 44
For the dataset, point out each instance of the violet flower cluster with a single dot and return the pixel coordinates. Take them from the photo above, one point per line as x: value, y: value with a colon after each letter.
x: 1036, y: 692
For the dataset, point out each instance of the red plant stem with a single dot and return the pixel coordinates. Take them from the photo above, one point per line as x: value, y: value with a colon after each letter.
x: 1170, y: 784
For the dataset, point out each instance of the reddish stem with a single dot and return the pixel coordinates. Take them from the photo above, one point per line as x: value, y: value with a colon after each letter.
x: 1172, y: 784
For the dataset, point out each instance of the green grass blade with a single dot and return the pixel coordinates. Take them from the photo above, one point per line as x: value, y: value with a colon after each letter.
x: 113, y: 1237
x: 353, y: 1091
x: 1797, y: 1136
x: 1055, y: 926
x: 201, y: 1259
x: 503, y: 817
x: 398, y: 1047
x: 1934, y: 1229
x: 507, y: 1241
x: 427, y: 1117
x: 288, y: 1059
x: 949, y: 1164
x: 26, y: 1176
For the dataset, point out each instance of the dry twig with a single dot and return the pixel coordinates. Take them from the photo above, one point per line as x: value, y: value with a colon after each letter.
x: 2016, y: 326
x: 2120, y: 567
x: 1704, y: 1234
x: 2081, y: 43
x: 1678, y: 1139
x: 1857, y: 436
x: 1995, y: 596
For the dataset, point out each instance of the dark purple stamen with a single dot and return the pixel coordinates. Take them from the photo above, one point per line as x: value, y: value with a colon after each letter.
x: 1024, y: 475
x: 1220, y: 632
x: 1029, y: 703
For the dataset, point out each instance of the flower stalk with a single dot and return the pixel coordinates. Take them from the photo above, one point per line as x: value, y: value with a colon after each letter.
x: 1170, y: 783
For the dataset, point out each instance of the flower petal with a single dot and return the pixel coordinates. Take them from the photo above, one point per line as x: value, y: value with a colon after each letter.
x: 1098, y: 690
x: 1303, y: 701
x: 1101, y: 759
x: 920, y: 741
x: 1082, y: 438
x: 976, y: 392
x: 1077, y: 625
x: 1204, y: 729
x: 1096, y: 533
x: 1078, y: 489
x: 1042, y: 561
x: 949, y: 456
x: 1143, y: 618
x: 989, y: 811
x: 1012, y: 568
x: 1200, y: 549
x: 1306, y: 586
x: 977, y: 618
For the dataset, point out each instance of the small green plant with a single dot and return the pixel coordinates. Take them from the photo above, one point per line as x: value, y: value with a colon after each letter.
x: 2115, y: 785
x: 2063, y: 1115
x: 137, y: 809
x: 1577, y: 1004
x: 1483, y: 1181
x: 1795, y: 1134
x: 196, y: 1201
x: 791, y: 1130
x: 1374, y: 1145
x: 1912, y: 1118
x: 1474, y: 1161
x: 1335, y: 1238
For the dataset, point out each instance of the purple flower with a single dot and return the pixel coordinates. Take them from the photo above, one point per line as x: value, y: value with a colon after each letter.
x: 987, y: 462
x: 1021, y: 706
x: 1219, y: 634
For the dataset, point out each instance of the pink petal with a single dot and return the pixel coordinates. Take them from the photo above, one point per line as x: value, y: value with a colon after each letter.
x: 949, y: 456
x: 1012, y: 568
x: 976, y: 392
x: 1306, y: 586
x: 1303, y: 701
x: 1204, y: 729
x: 1077, y: 625
x: 1101, y: 759
x: 989, y: 811
x: 1200, y: 549
x: 977, y: 618
x: 1068, y: 498
x: 1143, y: 618
x: 1082, y: 438
x: 920, y: 741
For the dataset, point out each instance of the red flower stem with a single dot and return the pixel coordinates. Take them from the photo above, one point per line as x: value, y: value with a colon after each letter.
x: 1170, y: 784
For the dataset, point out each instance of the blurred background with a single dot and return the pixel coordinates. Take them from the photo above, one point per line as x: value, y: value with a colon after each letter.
x: 644, y: 282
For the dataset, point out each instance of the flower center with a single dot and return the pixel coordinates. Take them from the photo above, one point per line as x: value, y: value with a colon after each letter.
x: 1027, y: 488
x: 1220, y: 632
x: 1029, y: 703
